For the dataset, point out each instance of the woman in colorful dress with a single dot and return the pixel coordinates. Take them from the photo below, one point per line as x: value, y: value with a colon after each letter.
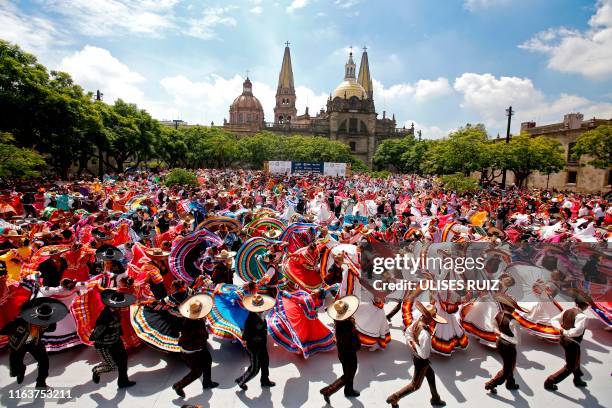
x: 294, y: 323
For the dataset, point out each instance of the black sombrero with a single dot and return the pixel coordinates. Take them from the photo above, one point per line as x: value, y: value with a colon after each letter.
x: 109, y: 253
x: 43, y: 311
x: 114, y: 298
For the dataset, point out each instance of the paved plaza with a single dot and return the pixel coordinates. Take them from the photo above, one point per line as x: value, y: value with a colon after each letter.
x: 460, y: 378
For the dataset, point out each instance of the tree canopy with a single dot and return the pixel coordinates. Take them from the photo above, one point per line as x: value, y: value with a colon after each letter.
x: 596, y: 143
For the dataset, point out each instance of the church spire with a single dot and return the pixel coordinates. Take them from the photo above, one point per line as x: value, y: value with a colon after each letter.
x: 285, y: 111
x: 285, y: 78
x: 364, y: 79
x: 349, y: 68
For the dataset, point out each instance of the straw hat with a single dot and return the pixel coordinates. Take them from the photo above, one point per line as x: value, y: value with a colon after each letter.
x: 430, y: 312
x: 258, y: 303
x: 157, y: 252
x: 224, y: 255
x: 272, y: 233
x: 11, y: 233
x: 343, y: 308
x: 52, y: 251
x: 508, y: 301
x: 196, y: 307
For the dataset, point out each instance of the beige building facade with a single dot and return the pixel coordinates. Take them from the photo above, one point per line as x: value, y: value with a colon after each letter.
x: 577, y: 176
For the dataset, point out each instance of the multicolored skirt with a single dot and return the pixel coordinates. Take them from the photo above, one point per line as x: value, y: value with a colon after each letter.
x: 158, y: 328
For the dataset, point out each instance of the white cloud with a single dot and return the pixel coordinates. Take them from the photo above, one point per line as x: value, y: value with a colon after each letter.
x: 296, y: 4
x: 115, y: 17
x: 392, y: 92
x: 212, y: 17
x: 588, y: 53
x: 474, y: 5
x: 95, y: 68
x: 256, y: 10
x: 488, y: 97
x: 307, y: 97
x: 209, y: 100
x: 426, y: 89
x: 346, y: 3
x: 32, y: 33
x: 427, y: 132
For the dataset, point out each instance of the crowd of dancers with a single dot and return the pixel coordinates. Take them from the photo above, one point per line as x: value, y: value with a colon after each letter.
x: 128, y: 262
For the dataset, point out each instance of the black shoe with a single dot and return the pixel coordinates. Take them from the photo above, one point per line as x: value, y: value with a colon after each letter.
x: 490, y: 388
x: 95, y: 377
x: 325, y: 396
x: 42, y: 385
x: 351, y: 393
x: 268, y: 383
x: 179, y: 391
x: 550, y: 386
x: 512, y: 387
x: 437, y: 402
x: 209, y: 385
x: 580, y: 383
x: 126, y: 384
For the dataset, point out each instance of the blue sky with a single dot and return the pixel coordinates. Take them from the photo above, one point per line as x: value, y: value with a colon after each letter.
x: 439, y: 64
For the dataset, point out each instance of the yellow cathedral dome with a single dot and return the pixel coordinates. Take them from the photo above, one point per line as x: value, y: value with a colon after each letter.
x: 349, y: 88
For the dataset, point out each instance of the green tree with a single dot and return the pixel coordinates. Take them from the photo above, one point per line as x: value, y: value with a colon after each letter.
x: 17, y: 162
x: 596, y: 143
x: 181, y: 177
x: 525, y: 155
x: 391, y: 152
x: 458, y: 182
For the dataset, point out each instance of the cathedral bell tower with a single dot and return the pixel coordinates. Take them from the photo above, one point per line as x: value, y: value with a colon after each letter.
x: 285, y: 111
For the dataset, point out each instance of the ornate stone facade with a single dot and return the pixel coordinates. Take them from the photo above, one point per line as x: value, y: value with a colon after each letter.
x: 349, y: 116
x: 246, y: 113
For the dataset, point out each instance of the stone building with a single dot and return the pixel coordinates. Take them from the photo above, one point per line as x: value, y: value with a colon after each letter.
x: 577, y: 176
x: 349, y: 115
x: 246, y: 115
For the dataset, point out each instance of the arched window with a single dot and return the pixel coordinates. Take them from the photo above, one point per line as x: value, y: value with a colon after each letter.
x: 280, y: 119
x: 240, y: 118
x: 249, y: 118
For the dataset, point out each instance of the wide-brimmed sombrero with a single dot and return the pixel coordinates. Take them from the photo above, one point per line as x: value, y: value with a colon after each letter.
x: 157, y: 253
x: 430, y: 312
x: 43, y: 311
x: 508, y: 301
x: 114, y: 298
x: 109, y: 253
x: 224, y: 255
x: 271, y: 233
x: 50, y: 251
x: 258, y: 303
x: 343, y: 308
x: 11, y: 233
x: 196, y: 307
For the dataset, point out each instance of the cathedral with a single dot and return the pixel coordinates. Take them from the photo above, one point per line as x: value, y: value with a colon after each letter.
x: 349, y: 116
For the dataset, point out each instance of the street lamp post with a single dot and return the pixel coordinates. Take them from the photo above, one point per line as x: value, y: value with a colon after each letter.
x: 509, y: 113
x: 98, y: 97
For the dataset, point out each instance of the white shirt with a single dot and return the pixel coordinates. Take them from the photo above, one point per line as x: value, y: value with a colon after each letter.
x: 576, y: 331
x: 423, y: 345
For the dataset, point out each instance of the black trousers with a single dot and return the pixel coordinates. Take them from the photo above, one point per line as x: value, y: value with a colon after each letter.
x: 29, y: 211
x: 349, y: 369
x: 38, y: 351
x: 422, y: 370
x: 259, y: 360
x: 200, y: 364
x: 572, y: 362
x: 507, y: 351
x: 114, y: 357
